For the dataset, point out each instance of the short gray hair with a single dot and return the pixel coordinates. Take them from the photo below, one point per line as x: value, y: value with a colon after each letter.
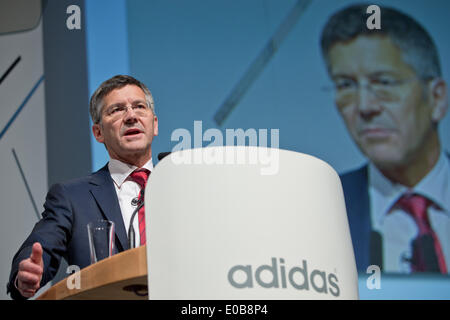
x: 116, y: 82
x: 417, y: 46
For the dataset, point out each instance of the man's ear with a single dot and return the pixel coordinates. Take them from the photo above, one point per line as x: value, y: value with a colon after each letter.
x: 438, y: 98
x: 155, y: 126
x: 98, y: 133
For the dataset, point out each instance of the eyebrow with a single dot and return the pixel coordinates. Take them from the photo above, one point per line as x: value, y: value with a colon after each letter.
x: 373, y: 74
x: 119, y: 104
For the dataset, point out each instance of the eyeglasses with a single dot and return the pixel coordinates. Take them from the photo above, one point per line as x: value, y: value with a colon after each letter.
x: 385, y: 88
x: 117, y: 111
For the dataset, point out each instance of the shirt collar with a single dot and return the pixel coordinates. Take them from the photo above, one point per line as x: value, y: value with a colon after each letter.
x: 435, y: 185
x: 120, y: 170
x: 384, y: 194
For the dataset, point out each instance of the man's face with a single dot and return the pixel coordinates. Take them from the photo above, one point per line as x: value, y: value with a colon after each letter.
x: 381, y: 99
x: 127, y: 125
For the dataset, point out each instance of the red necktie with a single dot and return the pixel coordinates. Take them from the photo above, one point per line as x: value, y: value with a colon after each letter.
x: 140, y: 176
x: 417, y: 205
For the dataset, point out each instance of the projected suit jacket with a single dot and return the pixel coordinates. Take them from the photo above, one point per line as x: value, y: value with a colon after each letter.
x: 356, y: 192
x: 62, y: 231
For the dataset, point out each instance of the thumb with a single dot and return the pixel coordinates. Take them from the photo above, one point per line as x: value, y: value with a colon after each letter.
x: 36, y: 253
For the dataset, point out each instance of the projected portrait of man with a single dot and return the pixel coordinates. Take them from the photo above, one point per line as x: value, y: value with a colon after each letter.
x: 390, y: 93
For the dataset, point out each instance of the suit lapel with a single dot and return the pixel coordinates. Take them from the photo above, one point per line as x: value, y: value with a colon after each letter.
x: 102, y: 189
x: 356, y: 190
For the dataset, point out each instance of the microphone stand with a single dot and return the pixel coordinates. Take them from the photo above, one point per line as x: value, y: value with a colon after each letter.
x: 131, y: 233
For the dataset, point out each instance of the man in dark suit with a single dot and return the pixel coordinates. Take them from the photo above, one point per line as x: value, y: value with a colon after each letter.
x: 390, y: 93
x: 122, y: 110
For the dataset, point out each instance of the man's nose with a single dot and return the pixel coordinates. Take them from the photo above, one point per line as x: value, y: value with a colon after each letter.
x: 367, y: 102
x: 130, y: 115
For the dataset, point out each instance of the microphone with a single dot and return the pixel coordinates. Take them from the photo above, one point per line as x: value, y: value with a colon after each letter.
x: 424, y: 253
x: 131, y: 234
x: 376, y: 249
x: 135, y: 201
x: 162, y: 155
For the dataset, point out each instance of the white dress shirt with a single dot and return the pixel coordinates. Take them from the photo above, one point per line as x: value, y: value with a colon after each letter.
x: 127, y: 190
x: 397, y: 227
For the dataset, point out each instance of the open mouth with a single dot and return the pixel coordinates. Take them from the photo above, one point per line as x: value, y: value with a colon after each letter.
x: 132, y: 132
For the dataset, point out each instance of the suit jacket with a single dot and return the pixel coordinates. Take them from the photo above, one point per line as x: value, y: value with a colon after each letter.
x: 356, y: 192
x: 62, y: 231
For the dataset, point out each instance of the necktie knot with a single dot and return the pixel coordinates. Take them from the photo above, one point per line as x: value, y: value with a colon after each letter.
x: 140, y: 176
x: 417, y: 206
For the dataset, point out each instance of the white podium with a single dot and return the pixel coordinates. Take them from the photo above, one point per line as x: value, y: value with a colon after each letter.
x: 232, y: 229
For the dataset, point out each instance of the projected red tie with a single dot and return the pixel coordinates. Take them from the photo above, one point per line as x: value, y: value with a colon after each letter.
x: 140, y: 176
x: 417, y: 205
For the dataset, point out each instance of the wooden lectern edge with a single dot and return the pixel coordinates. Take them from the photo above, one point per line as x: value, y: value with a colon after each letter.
x: 105, y: 279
